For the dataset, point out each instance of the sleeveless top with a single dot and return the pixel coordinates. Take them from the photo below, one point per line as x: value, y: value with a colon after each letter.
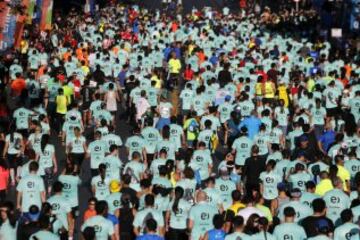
x: 269, y: 91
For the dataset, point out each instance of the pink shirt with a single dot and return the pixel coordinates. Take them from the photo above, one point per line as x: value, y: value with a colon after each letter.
x: 142, y: 105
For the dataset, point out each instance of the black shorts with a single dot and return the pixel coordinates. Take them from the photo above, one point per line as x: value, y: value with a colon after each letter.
x: 75, y: 212
x: 24, y: 132
x: 77, y: 158
x: 13, y: 160
x: 49, y: 176
x: 332, y: 112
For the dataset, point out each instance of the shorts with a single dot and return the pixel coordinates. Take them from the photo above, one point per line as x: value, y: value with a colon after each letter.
x: 75, y: 212
x: 162, y: 123
x: 332, y: 112
x: 13, y: 160
x: 49, y: 176
x: 24, y: 132
x: 77, y: 158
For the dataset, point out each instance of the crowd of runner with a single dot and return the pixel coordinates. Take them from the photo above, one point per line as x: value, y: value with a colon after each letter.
x: 234, y: 132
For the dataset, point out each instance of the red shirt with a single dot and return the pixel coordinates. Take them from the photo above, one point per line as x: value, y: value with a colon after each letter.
x: 4, y: 178
x: 188, y: 74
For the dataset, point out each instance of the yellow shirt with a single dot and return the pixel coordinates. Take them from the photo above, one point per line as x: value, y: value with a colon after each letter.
x: 269, y: 90
x: 344, y: 175
x: 157, y: 80
x: 174, y: 66
x: 258, y: 89
x: 68, y: 92
x: 61, y: 104
x: 236, y: 207
x: 323, y: 187
x: 85, y: 70
x: 266, y: 211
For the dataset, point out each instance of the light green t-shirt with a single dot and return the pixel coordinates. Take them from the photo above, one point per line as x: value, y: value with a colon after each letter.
x: 31, y: 187
x: 60, y: 206
x: 178, y: 220
x: 113, y: 166
x: 7, y: 231
x: 152, y: 137
x: 97, y: 150
x: 45, y: 157
x: 101, y: 187
x: 70, y: 189
x: 103, y: 227
x: 142, y: 216
x: 22, y: 117
x: 270, y: 180
x: 201, y: 160
x: 289, y: 231
x: 242, y: 146
x: 44, y: 235
x: 202, y: 215
x: 225, y: 188
x: 114, y: 201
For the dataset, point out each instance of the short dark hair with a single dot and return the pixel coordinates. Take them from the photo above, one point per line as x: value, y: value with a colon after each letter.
x: 346, y: 215
x: 236, y: 195
x: 151, y: 224
x: 57, y: 186
x: 218, y: 221
x: 238, y: 221
x: 100, y: 207
x: 318, y: 205
x: 289, y: 212
x: 149, y: 200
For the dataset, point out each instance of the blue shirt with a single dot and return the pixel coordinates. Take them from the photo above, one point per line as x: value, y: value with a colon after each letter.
x: 252, y: 124
x: 149, y: 237
x: 327, y: 139
x: 112, y: 218
x: 216, y: 234
x: 122, y: 77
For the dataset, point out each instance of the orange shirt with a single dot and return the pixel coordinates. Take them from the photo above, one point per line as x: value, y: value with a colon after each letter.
x: 66, y: 56
x: 201, y: 57
x: 40, y: 72
x: 18, y: 85
x: 88, y: 214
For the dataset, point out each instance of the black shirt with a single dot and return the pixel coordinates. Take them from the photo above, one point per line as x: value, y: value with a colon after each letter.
x: 253, y: 167
x: 309, y: 225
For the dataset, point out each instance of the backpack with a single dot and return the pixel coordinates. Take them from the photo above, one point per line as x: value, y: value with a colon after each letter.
x: 194, y: 126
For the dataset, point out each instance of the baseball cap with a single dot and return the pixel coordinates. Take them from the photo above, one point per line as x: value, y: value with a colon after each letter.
x: 227, y: 98
x: 322, y: 225
x: 114, y: 186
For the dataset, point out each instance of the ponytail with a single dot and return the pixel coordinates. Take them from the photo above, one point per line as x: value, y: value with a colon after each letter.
x: 179, y: 193
x: 44, y: 141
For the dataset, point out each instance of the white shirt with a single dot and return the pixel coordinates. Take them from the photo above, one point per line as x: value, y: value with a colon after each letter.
x: 248, y: 211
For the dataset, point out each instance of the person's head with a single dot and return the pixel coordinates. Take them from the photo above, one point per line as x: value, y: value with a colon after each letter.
x: 310, y: 186
x: 263, y: 224
x: 238, y: 223
x: 270, y: 165
x: 33, y: 167
x: 208, y: 124
x: 149, y: 200
x: 136, y: 156
x: 101, y: 208
x: 7, y: 212
x: 150, y: 225
x: 77, y: 131
x: 319, y: 206
x: 188, y: 173
x: 89, y: 233
x: 289, y: 213
x: 338, y: 183
x: 58, y: 187
x: 339, y: 160
x: 218, y: 221
x: 210, y: 182
x: 346, y: 216
x: 201, y: 196
x: 92, y: 203
x: 236, y: 195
